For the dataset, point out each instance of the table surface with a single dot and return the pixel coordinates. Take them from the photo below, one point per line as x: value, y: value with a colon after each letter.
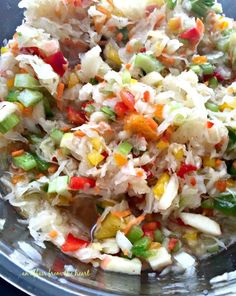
x: 8, y: 289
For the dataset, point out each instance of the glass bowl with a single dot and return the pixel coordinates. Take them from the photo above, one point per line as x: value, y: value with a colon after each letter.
x: 46, y: 277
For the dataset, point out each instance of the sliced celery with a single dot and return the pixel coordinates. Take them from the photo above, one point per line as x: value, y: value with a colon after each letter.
x: 26, y: 81
x: 109, y: 112
x: 42, y: 165
x: 25, y: 161
x: 207, y: 69
x: 30, y: 97
x: 148, y: 63
x: 9, y: 123
x: 13, y: 96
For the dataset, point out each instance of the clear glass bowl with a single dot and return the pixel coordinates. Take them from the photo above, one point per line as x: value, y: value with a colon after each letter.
x: 87, y: 280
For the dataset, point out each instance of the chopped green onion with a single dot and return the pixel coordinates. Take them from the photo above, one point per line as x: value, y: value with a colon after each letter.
x: 211, y: 106
x: 196, y: 69
x: 171, y: 4
x: 47, y: 107
x: 109, y: 112
x: 126, y: 77
x: 148, y: 63
x: 89, y: 108
x: 30, y: 97
x: 42, y: 165
x: 213, y: 82
x: 35, y: 139
x: 207, y: 204
x: 9, y: 123
x: 25, y: 161
x: 213, y: 249
x: 125, y: 148
x: 13, y: 96
x: 93, y: 81
x: 201, y: 7
x: 26, y: 81
x: 59, y: 185
x: 207, y: 69
x: 56, y: 135
x: 158, y: 236
x: 135, y: 234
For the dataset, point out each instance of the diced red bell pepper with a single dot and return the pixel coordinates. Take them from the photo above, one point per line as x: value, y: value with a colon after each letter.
x: 76, y: 117
x: 151, y: 226
x: 58, y: 62
x: 210, y: 124
x: 147, y: 169
x: 192, y: 35
x: 80, y: 183
x: 149, y: 233
x: 32, y: 50
x: 104, y: 154
x: 128, y: 99
x: 120, y: 109
x: 172, y: 243
x: 185, y: 169
x: 73, y: 243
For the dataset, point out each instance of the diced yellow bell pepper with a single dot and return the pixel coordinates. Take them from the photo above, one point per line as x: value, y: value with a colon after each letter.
x: 209, y: 162
x: 179, y: 154
x: 73, y: 80
x: 112, y: 54
x: 159, y: 188
x: 225, y: 106
x: 95, y: 157
x: 162, y: 144
x: 109, y: 227
x: 154, y: 245
x: 97, y: 144
x: 174, y: 24
x: 133, y: 81
x: 190, y: 235
x: 120, y: 159
x: 4, y: 50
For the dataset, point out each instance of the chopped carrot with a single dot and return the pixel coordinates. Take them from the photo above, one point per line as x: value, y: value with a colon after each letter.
x: 146, y: 96
x: 99, y: 22
x: 199, y: 60
x: 79, y: 133
x: 221, y: 185
x: 200, y: 26
x: 119, y: 37
x: 159, y: 111
x: 128, y: 66
x: 17, y: 152
x: 159, y: 20
x: 120, y: 159
x: 17, y: 178
x: 104, y: 11
x: 53, y: 168
x: 27, y: 111
x: 53, y: 234
x: 129, y: 48
x: 65, y: 129
x: 193, y: 181
x: 218, y: 162
x: 60, y: 91
x: 168, y: 61
x: 139, y: 173
x: 152, y: 123
x: 121, y: 214
x: 135, y: 221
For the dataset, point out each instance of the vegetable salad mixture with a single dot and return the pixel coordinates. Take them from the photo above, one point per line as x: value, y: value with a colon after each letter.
x: 118, y: 129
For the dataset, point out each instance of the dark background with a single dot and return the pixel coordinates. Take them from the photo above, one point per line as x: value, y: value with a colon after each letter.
x: 6, y: 32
